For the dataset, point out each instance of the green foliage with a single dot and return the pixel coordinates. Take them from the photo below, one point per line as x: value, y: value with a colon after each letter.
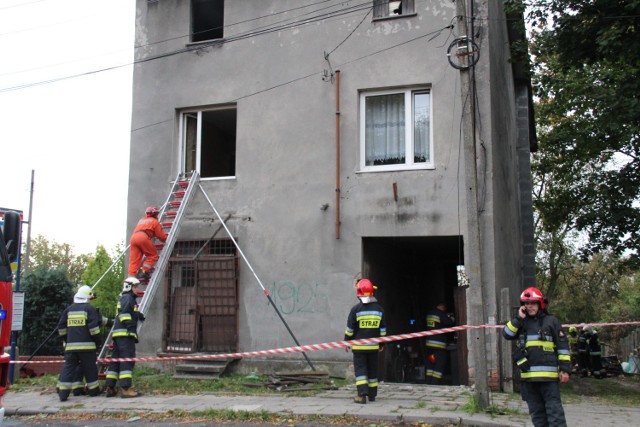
x: 47, y: 293
x: 587, y: 80
x: 109, y: 288
x: 52, y: 255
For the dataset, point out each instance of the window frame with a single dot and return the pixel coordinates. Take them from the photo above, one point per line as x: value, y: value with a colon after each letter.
x: 409, y: 130
x: 182, y: 140
x: 380, y: 12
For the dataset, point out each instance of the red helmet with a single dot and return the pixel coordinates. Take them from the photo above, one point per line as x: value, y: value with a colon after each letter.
x: 364, y: 288
x: 152, y: 211
x: 532, y: 295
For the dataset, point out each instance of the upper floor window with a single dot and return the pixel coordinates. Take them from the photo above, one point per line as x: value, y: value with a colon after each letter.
x: 390, y: 8
x: 207, y: 20
x: 208, y: 142
x: 395, y: 130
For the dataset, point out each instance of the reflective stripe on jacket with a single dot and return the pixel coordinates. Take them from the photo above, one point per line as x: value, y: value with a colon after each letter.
x: 365, y: 321
x: 126, y: 321
x: 79, y: 327
x: 546, y: 346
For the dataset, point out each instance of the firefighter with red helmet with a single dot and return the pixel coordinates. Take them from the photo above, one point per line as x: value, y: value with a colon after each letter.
x: 79, y: 327
x: 143, y: 253
x: 436, y: 345
x: 542, y: 355
x: 366, y: 320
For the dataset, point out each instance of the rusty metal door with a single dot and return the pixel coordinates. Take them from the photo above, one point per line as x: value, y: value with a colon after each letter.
x: 217, y: 305
x: 202, y: 302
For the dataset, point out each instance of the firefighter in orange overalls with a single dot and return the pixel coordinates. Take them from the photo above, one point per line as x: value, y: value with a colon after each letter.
x: 142, y: 246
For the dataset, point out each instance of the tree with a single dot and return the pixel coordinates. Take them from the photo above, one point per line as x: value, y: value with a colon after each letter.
x: 47, y: 293
x: 109, y: 288
x: 52, y: 255
x: 587, y: 82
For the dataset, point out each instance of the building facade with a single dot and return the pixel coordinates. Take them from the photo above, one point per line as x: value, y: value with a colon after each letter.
x: 328, y: 135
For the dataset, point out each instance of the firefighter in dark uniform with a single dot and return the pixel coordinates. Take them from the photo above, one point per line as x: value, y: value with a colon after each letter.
x: 125, y: 337
x: 542, y: 357
x: 595, y: 353
x: 573, y: 347
x: 584, y: 365
x: 80, y: 329
x: 436, y: 345
x: 366, y: 320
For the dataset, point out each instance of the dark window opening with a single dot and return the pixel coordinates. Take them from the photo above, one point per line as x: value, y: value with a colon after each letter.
x: 207, y: 20
x: 210, y: 142
x: 391, y: 8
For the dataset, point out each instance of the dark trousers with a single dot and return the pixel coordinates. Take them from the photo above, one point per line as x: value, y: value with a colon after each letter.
x: 543, y: 400
x: 435, y: 370
x: 82, y: 364
x: 365, y: 366
x: 121, y: 372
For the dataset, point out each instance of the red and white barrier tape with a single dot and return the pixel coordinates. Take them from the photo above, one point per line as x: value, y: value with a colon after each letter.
x: 312, y: 347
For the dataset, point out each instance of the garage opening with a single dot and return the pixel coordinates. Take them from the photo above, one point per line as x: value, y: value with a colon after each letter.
x: 413, y: 275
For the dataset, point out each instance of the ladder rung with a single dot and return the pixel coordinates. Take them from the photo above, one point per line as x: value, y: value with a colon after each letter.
x: 178, y: 194
x: 167, y: 224
x: 171, y: 214
x: 175, y: 203
x: 183, y: 184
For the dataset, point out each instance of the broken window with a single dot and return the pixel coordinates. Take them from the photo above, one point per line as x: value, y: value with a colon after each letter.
x: 207, y: 20
x: 391, y: 8
x: 395, y: 130
x: 208, y: 142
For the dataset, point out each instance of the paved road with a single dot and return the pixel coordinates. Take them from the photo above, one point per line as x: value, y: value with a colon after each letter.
x: 396, y: 403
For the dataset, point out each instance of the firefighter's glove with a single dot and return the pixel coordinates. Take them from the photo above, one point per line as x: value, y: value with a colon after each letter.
x: 141, y: 317
x: 520, y: 359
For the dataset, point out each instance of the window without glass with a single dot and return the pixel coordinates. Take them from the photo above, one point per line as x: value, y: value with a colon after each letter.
x: 207, y: 20
x: 390, y: 8
x: 395, y: 130
x: 208, y: 142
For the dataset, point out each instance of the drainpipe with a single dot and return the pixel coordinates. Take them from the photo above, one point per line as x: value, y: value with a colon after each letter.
x: 337, y: 154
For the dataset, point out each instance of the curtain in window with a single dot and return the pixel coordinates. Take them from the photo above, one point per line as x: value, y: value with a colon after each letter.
x: 385, y: 129
x: 421, y: 129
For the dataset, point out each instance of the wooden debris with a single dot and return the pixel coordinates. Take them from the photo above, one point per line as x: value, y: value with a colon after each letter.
x: 299, y: 381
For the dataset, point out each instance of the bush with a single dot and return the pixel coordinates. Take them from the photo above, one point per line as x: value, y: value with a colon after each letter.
x: 47, y: 294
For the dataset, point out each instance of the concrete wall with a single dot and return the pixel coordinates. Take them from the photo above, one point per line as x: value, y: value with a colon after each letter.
x: 285, y: 168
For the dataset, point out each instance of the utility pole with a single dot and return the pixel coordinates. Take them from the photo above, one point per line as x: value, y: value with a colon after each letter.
x: 466, y: 50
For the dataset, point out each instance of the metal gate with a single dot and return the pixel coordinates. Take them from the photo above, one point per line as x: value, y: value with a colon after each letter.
x: 202, y: 298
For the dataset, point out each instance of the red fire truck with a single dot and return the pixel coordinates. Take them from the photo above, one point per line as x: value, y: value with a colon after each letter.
x: 9, y: 249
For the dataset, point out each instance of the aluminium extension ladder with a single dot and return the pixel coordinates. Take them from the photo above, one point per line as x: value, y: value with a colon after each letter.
x: 170, y: 217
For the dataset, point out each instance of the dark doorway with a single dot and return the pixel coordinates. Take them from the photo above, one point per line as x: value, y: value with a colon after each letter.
x: 414, y: 274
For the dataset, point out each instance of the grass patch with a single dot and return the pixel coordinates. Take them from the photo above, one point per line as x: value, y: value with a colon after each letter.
x: 473, y: 407
x: 622, y: 390
x: 153, y: 382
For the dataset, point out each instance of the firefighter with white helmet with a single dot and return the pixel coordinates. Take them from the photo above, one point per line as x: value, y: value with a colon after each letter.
x: 542, y: 355
x: 79, y: 327
x: 366, y: 320
x: 125, y: 337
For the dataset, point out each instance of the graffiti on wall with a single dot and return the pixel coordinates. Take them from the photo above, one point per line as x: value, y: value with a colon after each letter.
x: 292, y: 298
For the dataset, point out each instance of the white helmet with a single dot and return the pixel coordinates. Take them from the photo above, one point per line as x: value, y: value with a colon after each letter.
x: 84, y: 294
x: 129, y: 283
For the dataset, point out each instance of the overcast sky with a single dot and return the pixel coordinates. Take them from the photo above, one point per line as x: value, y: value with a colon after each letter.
x: 74, y: 133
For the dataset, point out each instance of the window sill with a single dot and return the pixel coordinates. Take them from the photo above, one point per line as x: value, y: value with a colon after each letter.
x: 218, y: 178
x: 386, y: 18
x: 395, y: 168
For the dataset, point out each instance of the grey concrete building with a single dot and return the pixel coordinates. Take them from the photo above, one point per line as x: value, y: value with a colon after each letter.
x: 329, y: 135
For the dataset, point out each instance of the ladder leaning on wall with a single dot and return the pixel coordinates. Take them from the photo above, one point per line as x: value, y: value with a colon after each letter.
x: 170, y: 217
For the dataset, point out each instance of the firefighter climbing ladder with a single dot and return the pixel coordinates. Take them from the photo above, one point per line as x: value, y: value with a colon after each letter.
x: 170, y: 218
